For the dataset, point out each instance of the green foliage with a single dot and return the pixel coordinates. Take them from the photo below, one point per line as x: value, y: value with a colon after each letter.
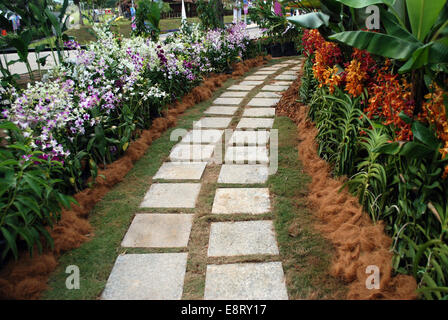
x: 29, y: 201
x: 277, y: 26
x: 370, y: 183
x: 147, y: 18
x: 210, y: 14
x: 309, y: 83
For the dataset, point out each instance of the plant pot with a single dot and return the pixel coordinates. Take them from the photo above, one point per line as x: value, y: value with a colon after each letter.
x: 289, y: 49
x: 276, y: 50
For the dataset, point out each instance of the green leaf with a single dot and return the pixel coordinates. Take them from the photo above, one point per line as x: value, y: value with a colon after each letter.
x: 425, y: 135
x: 11, y: 240
x: 377, y: 43
x: 422, y: 15
x: 390, y: 148
x: 357, y: 4
x: 313, y: 20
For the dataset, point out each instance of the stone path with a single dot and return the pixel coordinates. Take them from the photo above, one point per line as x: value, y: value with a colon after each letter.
x: 245, y: 167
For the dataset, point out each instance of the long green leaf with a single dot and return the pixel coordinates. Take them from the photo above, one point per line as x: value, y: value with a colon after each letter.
x: 377, y: 43
x: 422, y: 15
x: 357, y: 4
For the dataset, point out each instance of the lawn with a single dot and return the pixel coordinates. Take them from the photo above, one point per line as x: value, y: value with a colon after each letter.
x: 85, y: 34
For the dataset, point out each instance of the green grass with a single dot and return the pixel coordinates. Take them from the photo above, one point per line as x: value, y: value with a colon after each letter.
x: 84, y: 34
x: 305, y: 254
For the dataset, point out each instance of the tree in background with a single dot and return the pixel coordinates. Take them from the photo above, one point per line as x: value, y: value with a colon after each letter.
x: 78, y: 4
x: 147, y: 18
x: 211, y: 14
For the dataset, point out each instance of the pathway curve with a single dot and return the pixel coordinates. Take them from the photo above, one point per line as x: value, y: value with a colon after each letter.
x: 242, y: 191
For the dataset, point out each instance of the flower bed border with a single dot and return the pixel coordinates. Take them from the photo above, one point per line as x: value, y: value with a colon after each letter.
x: 357, y: 241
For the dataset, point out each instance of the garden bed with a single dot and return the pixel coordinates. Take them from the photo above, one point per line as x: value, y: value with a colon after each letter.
x: 358, y: 242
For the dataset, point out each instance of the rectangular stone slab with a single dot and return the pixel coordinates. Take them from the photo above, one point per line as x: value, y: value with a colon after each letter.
x: 250, y: 83
x: 238, y: 87
x: 199, y: 136
x: 268, y: 94
x: 292, y: 72
x: 254, y: 123
x: 263, y: 71
x: 213, y: 122
x: 152, y: 230
x: 259, y: 112
x: 234, y: 94
x: 181, y: 171
x: 221, y: 110
x: 256, y: 77
x: 286, y: 77
x: 242, y: 238
x: 171, y: 195
x: 245, y: 281
x: 228, y: 101
x: 153, y: 276
x: 281, y: 83
x: 263, y: 102
x: 274, y: 88
x: 246, y: 154
x: 249, y: 137
x: 243, y: 173
x: 241, y: 200
x: 192, y: 152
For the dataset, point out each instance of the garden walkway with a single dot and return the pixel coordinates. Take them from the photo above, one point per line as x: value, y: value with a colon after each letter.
x: 247, y: 157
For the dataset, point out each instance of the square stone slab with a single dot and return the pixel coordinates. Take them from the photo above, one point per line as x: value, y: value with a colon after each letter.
x: 250, y: 83
x: 245, y: 281
x: 215, y: 122
x: 181, y: 171
x: 243, y: 173
x: 221, y: 110
x: 259, y: 112
x: 171, y: 195
x: 263, y: 102
x: 286, y: 77
x: 234, y: 94
x: 241, y: 200
x: 192, y: 152
x: 264, y: 71
x: 198, y: 136
x: 249, y: 154
x: 249, y: 137
x: 274, y: 88
x: 254, y: 123
x: 153, y: 276
x: 238, y: 87
x: 242, y: 238
x: 257, y: 78
x: 228, y: 101
x: 268, y: 94
x: 152, y: 230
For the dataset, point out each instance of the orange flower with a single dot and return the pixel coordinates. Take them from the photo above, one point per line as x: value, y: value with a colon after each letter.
x: 354, y: 79
x: 435, y: 112
x: 389, y: 96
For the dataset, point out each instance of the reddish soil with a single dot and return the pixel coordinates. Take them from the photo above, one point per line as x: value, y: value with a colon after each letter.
x: 357, y: 241
x: 27, y: 277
